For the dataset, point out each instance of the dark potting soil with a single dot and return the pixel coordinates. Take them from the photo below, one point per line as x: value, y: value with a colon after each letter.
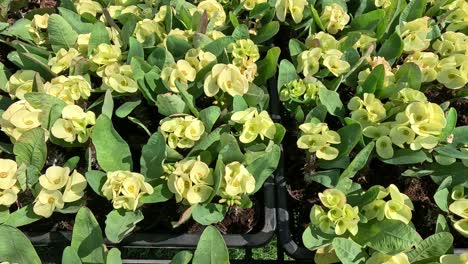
x: 442, y: 95
x: 303, y: 194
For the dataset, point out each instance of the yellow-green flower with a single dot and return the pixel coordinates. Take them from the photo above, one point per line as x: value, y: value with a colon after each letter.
x: 425, y: 118
x: 318, y: 138
x: 238, y: 180
x: 414, y: 35
x: 20, y: 83
x: 335, y: 64
x: 228, y: 78
x: 182, y: 132
x: 308, y: 62
x: 74, y: 124
x: 88, y: 7
x: 68, y: 89
x: 199, y: 58
x: 125, y: 188
x: 454, y: 259
x: 334, y: 17
x: 74, y: 189
x: 47, y: 201
x: 147, y: 28
x: 19, y: 118
x: 8, y: 170
x: 63, y: 60
x: 332, y: 198
x: 254, y: 124
x: 381, y: 258
x: 214, y: 10
x: 119, y: 78
x: 250, y: 4
x: 38, y: 28
x: 295, y: 7
x: 106, y: 54
x: 181, y: 71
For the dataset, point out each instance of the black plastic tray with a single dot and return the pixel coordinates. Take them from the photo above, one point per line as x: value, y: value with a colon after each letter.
x: 150, y: 240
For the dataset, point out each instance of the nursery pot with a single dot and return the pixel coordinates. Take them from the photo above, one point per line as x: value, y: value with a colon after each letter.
x: 185, y: 240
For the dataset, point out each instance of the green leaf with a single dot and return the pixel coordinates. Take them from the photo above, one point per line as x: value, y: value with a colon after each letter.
x: 119, y: 223
x: 15, y: 247
x: 217, y: 177
x: 108, y: 105
x: 406, y: 156
x: 460, y: 135
x: 126, y: 108
x: 31, y: 149
x: 70, y: 256
x: 218, y: 46
x: 171, y: 104
x: 240, y: 32
x: 114, y: 256
x: 211, y: 248
x: 432, y: 247
x: 258, y: 10
x: 331, y: 100
x: 264, y: 165
x: 209, y: 116
x: 96, y: 180
x: 313, y: 238
x: 177, y: 46
x: 392, y: 48
x: 239, y: 103
x: 348, y: 251
x: 33, y: 62
x: 367, y: 21
x: 207, y: 214
x: 350, y: 136
x: 442, y: 194
x: 136, y: 50
x: 99, y: 35
x: 268, y: 66
x: 61, y: 34
x: 19, y: 29
x: 451, y: 123
x: 415, y: 9
x: 22, y: 217
x: 287, y: 73
x: 188, y: 99
x: 374, y: 82
x: 161, y: 193
x: 87, y: 238
x: 387, y: 236
x: 409, y: 73
x: 74, y: 20
x: 112, y: 152
x: 46, y: 103
x: 153, y: 155
x: 358, y: 162
x: 441, y: 225
x: 266, y: 32
x: 182, y: 257
x: 230, y: 149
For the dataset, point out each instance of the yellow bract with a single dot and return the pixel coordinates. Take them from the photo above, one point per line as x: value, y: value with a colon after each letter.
x: 250, y: 4
x: 238, y: 180
x: 125, y: 188
x: 181, y: 71
x: 399, y: 206
x: 454, y: 259
x: 74, y: 124
x: 427, y: 62
x: 191, y: 181
x: 214, y: 10
x: 63, y: 60
x: 295, y: 7
x: 381, y: 258
x: 414, y: 35
x: 20, y: 83
x: 334, y: 17
x: 119, y: 78
x: 228, y: 78
x: 425, y: 119
x: 254, y: 124
x: 182, y: 132
x: 106, y: 54
x: 8, y: 179
x: 245, y: 53
x: 88, y: 7
x: 68, y: 89
x: 19, y: 118
x: 199, y: 58
x: 318, y: 138
x: 82, y: 43
x: 146, y: 29
x: 58, y: 188
x: 38, y: 28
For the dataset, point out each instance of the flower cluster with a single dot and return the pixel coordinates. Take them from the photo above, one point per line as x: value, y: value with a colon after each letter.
x: 254, y: 124
x: 335, y: 18
x: 415, y: 35
x: 191, y: 181
x: 323, y: 49
x: 68, y: 89
x: 338, y: 217
x: 8, y: 180
x: 57, y: 188
x: 397, y: 207
x: 182, y: 132
x: 125, y: 189
x: 19, y: 118
x: 74, y: 124
x: 237, y: 181
x: 419, y: 125
x: 318, y: 139
x: 302, y: 90
x: 295, y: 7
x: 245, y: 53
x: 20, y: 83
